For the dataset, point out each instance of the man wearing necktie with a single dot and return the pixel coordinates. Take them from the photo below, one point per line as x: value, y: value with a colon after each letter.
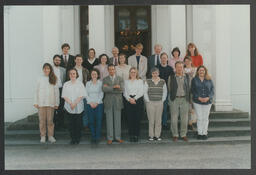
x: 154, y: 60
x: 67, y: 60
x: 113, y: 103
x: 114, y: 59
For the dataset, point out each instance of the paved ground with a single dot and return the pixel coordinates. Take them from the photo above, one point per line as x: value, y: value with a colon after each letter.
x: 128, y: 156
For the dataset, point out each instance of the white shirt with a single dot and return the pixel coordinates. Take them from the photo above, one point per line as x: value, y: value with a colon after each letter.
x: 80, y: 74
x: 46, y: 93
x: 133, y: 87
x: 72, y: 92
x: 146, y: 91
x: 123, y: 71
x: 94, y: 93
x: 57, y: 73
x: 156, y: 59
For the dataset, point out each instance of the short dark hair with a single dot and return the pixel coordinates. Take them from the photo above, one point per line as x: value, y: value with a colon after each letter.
x: 102, y: 55
x: 111, y: 65
x: 122, y: 54
x: 77, y: 75
x: 55, y: 56
x: 65, y: 45
x: 176, y: 49
x: 95, y: 70
x: 79, y: 55
x: 164, y: 53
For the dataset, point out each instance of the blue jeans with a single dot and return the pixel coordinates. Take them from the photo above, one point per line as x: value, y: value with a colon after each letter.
x: 164, y: 115
x: 95, y: 119
x: 85, y: 114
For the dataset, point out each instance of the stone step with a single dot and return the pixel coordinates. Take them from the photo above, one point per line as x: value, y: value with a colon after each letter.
x: 212, y: 132
x: 86, y: 140
x: 24, y: 125
x: 235, y: 114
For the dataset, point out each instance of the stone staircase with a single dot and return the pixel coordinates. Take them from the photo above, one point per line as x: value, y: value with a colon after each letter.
x: 224, y: 128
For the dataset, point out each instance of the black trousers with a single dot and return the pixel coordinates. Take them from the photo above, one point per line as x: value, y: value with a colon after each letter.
x: 75, y: 125
x: 134, y: 114
x: 58, y: 118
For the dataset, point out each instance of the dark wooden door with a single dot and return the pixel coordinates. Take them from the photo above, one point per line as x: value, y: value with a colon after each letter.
x: 133, y: 26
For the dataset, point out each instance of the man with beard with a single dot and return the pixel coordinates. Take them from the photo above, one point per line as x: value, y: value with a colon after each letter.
x: 60, y: 73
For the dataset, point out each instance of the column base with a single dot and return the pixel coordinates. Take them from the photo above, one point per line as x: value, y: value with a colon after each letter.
x: 223, y: 105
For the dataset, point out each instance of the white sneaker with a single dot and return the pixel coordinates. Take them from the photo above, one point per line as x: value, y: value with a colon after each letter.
x: 151, y: 139
x: 158, y: 139
x: 52, y: 139
x: 43, y: 139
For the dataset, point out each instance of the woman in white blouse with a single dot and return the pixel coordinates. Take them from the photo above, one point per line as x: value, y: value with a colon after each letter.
x: 133, y: 93
x: 155, y: 94
x: 123, y: 69
x: 103, y: 66
x: 73, y: 93
x: 94, y: 96
x: 46, y: 100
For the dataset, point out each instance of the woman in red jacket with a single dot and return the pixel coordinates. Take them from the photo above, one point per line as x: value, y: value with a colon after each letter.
x: 192, y: 51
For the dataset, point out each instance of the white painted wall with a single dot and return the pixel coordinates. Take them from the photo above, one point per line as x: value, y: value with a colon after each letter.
x: 169, y: 27
x: 24, y: 52
x: 240, y: 56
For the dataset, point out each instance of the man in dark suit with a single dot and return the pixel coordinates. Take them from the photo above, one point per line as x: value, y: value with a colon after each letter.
x: 114, y: 59
x: 67, y: 60
x: 154, y: 60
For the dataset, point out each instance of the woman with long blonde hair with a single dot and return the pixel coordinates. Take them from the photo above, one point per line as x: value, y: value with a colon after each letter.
x: 203, y: 90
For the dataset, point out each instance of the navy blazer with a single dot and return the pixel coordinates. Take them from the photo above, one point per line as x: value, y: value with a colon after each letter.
x: 151, y: 64
x: 202, y: 89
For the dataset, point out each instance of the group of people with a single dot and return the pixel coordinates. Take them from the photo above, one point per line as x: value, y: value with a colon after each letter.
x: 81, y: 90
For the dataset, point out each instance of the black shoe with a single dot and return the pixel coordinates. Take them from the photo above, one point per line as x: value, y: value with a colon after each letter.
x: 204, y: 137
x: 199, y: 137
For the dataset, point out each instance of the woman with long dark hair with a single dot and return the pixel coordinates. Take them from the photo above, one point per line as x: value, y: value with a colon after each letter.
x: 94, y: 98
x: 46, y: 100
x: 192, y: 51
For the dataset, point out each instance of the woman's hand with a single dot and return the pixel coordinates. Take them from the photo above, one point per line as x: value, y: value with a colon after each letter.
x: 73, y: 105
x: 132, y: 101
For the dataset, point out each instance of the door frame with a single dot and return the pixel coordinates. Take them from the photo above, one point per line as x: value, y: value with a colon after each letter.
x: 148, y: 8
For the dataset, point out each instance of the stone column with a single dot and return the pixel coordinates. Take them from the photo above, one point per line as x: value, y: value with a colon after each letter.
x: 169, y: 27
x: 97, y: 28
x: 223, y: 59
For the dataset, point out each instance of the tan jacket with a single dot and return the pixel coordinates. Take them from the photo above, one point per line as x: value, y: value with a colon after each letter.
x: 143, y: 64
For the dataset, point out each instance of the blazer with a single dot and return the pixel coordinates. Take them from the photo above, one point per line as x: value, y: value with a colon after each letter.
x: 143, y: 64
x: 151, y: 64
x: 113, y: 97
x: 111, y: 59
x: 70, y: 64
